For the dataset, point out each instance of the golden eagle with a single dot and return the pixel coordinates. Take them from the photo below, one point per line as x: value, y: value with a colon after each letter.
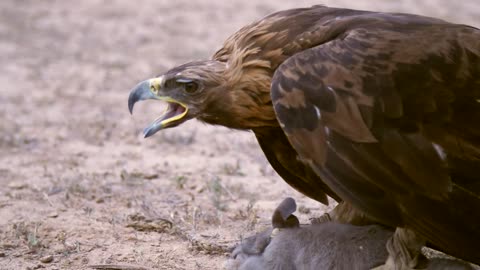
x: 380, y: 110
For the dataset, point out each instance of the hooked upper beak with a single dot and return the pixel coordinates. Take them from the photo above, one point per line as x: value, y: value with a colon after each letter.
x: 140, y: 92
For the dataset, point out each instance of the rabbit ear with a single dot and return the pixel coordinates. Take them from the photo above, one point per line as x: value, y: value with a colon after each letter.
x: 282, y: 217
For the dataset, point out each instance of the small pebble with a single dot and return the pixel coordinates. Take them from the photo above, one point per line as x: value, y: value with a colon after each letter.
x: 17, y: 185
x: 46, y: 259
x: 52, y: 215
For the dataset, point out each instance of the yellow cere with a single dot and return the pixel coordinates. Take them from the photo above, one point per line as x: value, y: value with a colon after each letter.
x: 155, y: 84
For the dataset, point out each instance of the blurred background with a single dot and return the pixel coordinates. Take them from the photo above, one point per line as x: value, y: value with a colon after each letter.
x: 78, y: 183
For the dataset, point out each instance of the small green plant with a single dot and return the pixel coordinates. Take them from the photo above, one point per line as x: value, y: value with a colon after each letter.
x: 234, y: 170
x: 218, y: 193
x: 180, y: 181
x: 32, y: 240
x: 28, y: 232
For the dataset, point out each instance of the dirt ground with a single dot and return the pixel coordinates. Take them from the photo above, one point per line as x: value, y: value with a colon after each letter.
x: 79, y: 186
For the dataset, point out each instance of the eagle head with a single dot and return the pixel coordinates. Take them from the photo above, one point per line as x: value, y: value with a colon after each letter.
x: 192, y: 90
x: 208, y: 91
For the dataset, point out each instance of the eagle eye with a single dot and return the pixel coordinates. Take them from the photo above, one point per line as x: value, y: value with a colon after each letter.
x: 188, y: 85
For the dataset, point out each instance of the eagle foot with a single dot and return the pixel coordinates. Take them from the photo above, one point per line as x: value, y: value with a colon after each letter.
x: 321, y: 219
x: 404, y: 251
x: 345, y: 213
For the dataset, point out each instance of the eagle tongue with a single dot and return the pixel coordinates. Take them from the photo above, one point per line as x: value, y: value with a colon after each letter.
x: 172, y: 110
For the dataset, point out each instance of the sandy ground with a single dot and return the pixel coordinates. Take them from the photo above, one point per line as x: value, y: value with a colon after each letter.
x: 78, y: 184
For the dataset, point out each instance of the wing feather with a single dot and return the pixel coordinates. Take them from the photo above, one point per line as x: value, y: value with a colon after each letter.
x: 360, y: 110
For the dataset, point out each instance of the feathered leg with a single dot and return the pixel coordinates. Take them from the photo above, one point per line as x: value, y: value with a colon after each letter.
x: 404, y: 249
x: 344, y: 213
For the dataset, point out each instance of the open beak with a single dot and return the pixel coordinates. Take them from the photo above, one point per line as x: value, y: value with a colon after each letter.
x: 151, y: 89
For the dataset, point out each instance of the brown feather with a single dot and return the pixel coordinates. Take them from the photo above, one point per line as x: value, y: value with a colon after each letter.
x: 385, y: 96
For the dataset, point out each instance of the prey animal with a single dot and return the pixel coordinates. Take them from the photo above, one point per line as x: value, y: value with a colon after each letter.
x: 329, y: 245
